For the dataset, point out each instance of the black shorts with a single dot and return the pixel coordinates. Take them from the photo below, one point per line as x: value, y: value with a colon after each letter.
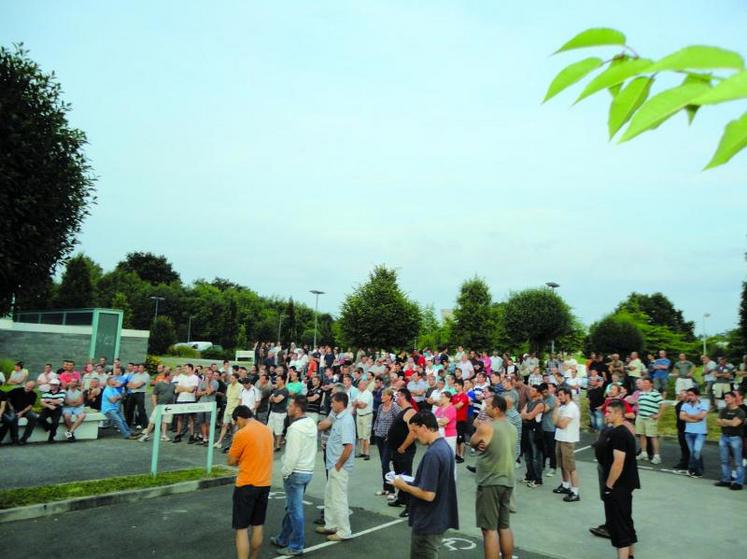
x: 461, y: 431
x: 249, y: 506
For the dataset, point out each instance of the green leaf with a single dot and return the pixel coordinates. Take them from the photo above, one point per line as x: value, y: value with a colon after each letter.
x: 627, y: 102
x: 615, y: 74
x: 571, y: 74
x: 734, y: 87
x: 594, y: 37
x: 691, y: 110
x: 660, y: 107
x: 700, y: 57
x: 695, y: 78
x: 732, y: 142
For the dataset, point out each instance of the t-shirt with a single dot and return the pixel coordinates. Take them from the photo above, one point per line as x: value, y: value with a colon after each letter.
x: 414, y: 386
x: 696, y: 408
x: 596, y: 397
x: 662, y: 373
x: 252, y: 447
x: 635, y: 368
x: 140, y: 377
x: 618, y: 438
x: 164, y: 392
x: 449, y: 430
x: 730, y: 414
x: 58, y: 397
x: 203, y: 387
x: 20, y: 399
x: 249, y: 396
x: 435, y: 474
x: 547, y: 422
x: 708, y: 370
x: 365, y: 397
x: 316, y: 405
x: 187, y: 381
x: 295, y: 387
x: 73, y: 396
x: 648, y: 403
x: 341, y: 433
x: 572, y: 431
x: 282, y: 406
x: 684, y: 368
x: 106, y: 404
x: 461, y: 413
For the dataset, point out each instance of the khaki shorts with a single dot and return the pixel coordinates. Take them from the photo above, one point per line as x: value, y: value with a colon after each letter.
x: 363, y: 423
x: 720, y: 388
x: 228, y: 416
x: 647, y: 426
x: 165, y: 417
x: 683, y: 384
x: 565, y: 456
x: 492, y: 507
x: 276, y: 422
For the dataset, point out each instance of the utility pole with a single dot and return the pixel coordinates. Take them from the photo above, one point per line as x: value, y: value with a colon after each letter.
x: 316, y: 312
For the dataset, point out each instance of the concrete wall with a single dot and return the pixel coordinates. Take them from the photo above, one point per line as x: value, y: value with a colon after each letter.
x: 37, y: 344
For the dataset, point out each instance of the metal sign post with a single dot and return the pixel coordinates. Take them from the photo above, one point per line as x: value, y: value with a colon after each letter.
x: 179, y: 409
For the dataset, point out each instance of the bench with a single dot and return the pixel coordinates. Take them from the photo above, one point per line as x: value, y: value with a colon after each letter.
x: 88, y: 430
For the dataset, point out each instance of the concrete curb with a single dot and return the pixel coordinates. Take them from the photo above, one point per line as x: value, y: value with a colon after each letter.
x: 130, y: 496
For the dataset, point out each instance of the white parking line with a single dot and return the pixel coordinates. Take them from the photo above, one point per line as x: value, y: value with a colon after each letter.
x: 582, y: 448
x: 357, y: 534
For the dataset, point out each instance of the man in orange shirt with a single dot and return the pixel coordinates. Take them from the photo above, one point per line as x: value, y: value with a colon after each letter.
x: 251, y: 451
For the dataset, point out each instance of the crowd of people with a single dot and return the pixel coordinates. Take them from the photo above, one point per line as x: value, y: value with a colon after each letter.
x: 507, y: 413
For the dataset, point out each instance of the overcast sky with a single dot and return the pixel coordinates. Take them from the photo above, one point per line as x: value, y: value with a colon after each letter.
x: 291, y: 146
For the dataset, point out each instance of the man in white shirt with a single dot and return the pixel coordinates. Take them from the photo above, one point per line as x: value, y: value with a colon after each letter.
x: 567, y: 419
x: 363, y: 405
x: 250, y: 395
x: 186, y: 387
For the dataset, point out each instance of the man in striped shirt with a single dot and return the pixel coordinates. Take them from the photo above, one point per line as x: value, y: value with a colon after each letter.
x: 52, y: 402
x: 647, y: 422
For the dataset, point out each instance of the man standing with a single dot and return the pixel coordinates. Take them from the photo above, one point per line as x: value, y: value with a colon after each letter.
x: 278, y: 410
x: 496, y: 442
x: 297, y: 469
x: 339, y: 464
x: 136, y: 388
x: 363, y: 406
x: 647, y: 421
x: 694, y: 413
x: 401, y: 441
x: 615, y: 452
x: 661, y: 373
x: 186, y: 388
x: 251, y: 451
x: 567, y: 419
x: 433, y: 495
x: 684, y: 371
x: 731, y: 420
x: 110, y: 407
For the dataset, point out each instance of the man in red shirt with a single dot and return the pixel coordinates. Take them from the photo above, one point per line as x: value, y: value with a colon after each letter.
x: 69, y: 374
x: 460, y: 401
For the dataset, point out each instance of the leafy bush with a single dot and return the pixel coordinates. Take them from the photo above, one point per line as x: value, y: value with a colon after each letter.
x: 162, y: 335
x: 151, y: 363
x: 6, y: 366
x: 615, y: 334
x: 183, y: 351
x: 217, y: 352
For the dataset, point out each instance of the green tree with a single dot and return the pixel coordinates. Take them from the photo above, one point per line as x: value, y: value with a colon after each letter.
x: 536, y: 316
x: 162, y: 336
x: 474, y: 325
x: 241, y: 340
x: 629, y: 78
x: 743, y: 315
x: 151, y: 268
x: 616, y: 333
x: 289, y: 325
x: 119, y: 301
x: 46, y: 182
x: 660, y: 311
x: 573, y: 340
x: 378, y: 314
x: 76, y: 288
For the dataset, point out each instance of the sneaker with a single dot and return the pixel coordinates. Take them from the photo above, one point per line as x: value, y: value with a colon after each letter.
x: 722, y: 484
x: 144, y: 438
x: 323, y: 530
x: 165, y: 438
x: 68, y: 434
x: 600, y: 531
x: 177, y: 439
x: 656, y: 459
x: 572, y: 498
x: 366, y: 457
x: 560, y: 490
x: 735, y: 486
x: 551, y: 472
x: 472, y: 469
x: 641, y: 456
x: 405, y: 513
x: 276, y: 542
x: 382, y: 493
x: 217, y: 445
x: 459, y: 459
x: 694, y: 475
x: 192, y: 440
x: 531, y: 484
x: 288, y: 552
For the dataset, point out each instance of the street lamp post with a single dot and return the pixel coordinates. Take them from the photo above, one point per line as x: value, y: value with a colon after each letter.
x: 552, y: 285
x: 189, y: 329
x: 705, y: 315
x: 157, y: 299
x: 316, y: 312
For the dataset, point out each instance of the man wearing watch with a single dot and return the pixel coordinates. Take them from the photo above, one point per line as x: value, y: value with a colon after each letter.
x: 615, y: 453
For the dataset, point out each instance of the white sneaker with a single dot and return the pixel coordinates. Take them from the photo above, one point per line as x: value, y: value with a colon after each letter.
x: 656, y: 459
x: 551, y: 473
x: 68, y: 434
x: 165, y: 438
x: 217, y: 445
x: 144, y: 438
x: 642, y: 456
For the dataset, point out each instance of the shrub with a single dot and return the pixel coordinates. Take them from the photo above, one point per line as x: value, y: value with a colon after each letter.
x: 162, y: 335
x: 6, y: 366
x: 217, y: 352
x: 183, y: 351
x: 151, y: 363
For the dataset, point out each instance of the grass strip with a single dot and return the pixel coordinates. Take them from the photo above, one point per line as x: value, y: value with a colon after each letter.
x: 23, y: 496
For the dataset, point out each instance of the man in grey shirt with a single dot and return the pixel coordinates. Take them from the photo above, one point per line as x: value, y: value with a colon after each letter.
x: 138, y: 384
x: 205, y: 394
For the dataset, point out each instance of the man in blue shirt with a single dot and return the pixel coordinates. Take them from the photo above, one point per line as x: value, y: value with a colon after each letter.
x: 433, y: 502
x: 110, y: 407
x: 693, y: 413
x: 339, y: 464
x: 661, y: 373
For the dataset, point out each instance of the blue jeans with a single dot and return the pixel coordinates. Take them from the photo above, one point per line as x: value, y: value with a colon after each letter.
x: 695, y: 442
x: 116, y: 418
x: 533, y: 456
x: 291, y: 534
x: 731, y: 447
x: 597, y: 420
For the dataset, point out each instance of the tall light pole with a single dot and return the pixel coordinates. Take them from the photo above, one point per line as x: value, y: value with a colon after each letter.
x: 157, y: 299
x: 705, y: 315
x: 552, y: 285
x: 189, y: 329
x: 316, y: 311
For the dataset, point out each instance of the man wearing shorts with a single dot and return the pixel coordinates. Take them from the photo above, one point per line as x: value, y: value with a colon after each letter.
x: 495, y: 441
x: 73, y: 408
x: 567, y: 419
x: 251, y: 451
x: 164, y: 393
x: 647, y: 421
x: 363, y: 406
x: 278, y: 410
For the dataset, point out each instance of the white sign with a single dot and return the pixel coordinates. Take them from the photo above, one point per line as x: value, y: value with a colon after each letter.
x: 176, y: 409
